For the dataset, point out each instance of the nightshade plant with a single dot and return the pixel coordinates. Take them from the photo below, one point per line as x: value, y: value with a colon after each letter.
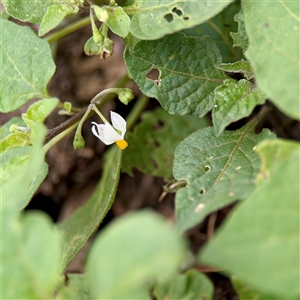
x: 221, y: 59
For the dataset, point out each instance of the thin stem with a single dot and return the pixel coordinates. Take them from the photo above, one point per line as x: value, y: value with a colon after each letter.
x: 58, y: 137
x: 76, y: 118
x: 67, y: 30
x: 138, y: 108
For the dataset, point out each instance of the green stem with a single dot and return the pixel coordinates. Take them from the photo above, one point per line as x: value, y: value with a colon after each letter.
x: 59, y: 137
x: 138, y: 108
x: 67, y: 30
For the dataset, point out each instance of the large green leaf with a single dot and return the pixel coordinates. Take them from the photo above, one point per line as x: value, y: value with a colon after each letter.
x: 218, y: 171
x: 131, y: 253
x: 234, y: 101
x: 187, y: 286
x: 187, y: 72
x: 79, y: 227
x: 24, y: 168
x: 219, y: 28
x: 27, y: 11
x: 25, y: 73
x: 260, y: 241
x: 274, y: 46
x: 153, y: 142
x: 156, y: 18
x: 30, y: 255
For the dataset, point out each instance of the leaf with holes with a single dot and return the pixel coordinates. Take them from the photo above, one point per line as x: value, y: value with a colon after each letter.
x: 273, y: 51
x: 154, y: 19
x: 260, y: 243
x: 219, y: 28
x: 153, y: 142
x: 187, y: 72
x: 218, y: 171
x: 234, y: 100
x: 25, y: 74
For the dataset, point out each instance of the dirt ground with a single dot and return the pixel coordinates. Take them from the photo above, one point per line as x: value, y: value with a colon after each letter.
x: 74, y: 174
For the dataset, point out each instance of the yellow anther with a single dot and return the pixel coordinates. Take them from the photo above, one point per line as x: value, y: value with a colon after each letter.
x: 122, y: 144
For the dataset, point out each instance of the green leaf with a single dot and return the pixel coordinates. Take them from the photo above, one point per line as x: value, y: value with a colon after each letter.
x: 234, y: 100
x: 240, y: 38
x: 16, y: 139
x: 132, y: 252
x: 27, y: 11
x: 242, y: 67
x: 187, y: 286
x: 154, y: 19
x: 219, y: 28
x: 31, y: 256
x: 78, y: 228
x: 77, y: 288
x: 153, y: 142
x: 218, y: 171
x: 54, y: 15
x: 245, y: 292
x: 39, y: 111
x: 118, y: 21
x: 23, y: 168
x: 25, y: 73
x: 274, y: 51
x: 187, y: 72
x: 262, y: 235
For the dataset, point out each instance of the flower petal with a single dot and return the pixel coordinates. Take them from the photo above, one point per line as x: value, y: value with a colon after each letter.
x: 118, y: 122
x: 105, y: 133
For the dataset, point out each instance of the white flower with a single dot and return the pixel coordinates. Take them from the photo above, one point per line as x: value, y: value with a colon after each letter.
x: 114, y: 133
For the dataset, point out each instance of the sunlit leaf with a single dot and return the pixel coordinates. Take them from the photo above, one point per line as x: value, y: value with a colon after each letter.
x: 31, y: 255
x: 154, y: 19
x: 186, y: 72
x: 273, y: 51
x: 153, y: 142
x: 240, y: 38
x: 25, y: 73
x: 38, y: 111
x: 131, y: 253
x: 262, y: 235
x: 218, y: 171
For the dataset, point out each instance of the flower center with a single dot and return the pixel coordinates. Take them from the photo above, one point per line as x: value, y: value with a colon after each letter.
x: 122, y: 144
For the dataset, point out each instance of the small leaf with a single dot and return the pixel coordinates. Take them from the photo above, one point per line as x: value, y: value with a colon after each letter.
x: 218, y: 171
x: 25, y: 74
x: 240, y: 38
x: 234, y: 100
x: 187, y: 286
x: 79, y: 227
x: 154, y: 19
x: 39, y: 111
x: 187, y: 72
x: 54, y: 15
x: 118, y: 21
x: 27, y: 11
x: 274, y: 51
x: 132, y: 252
x: 242, y: 67
x: 262, y: 235
x: 26, y: 241
x: 154, y: 140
